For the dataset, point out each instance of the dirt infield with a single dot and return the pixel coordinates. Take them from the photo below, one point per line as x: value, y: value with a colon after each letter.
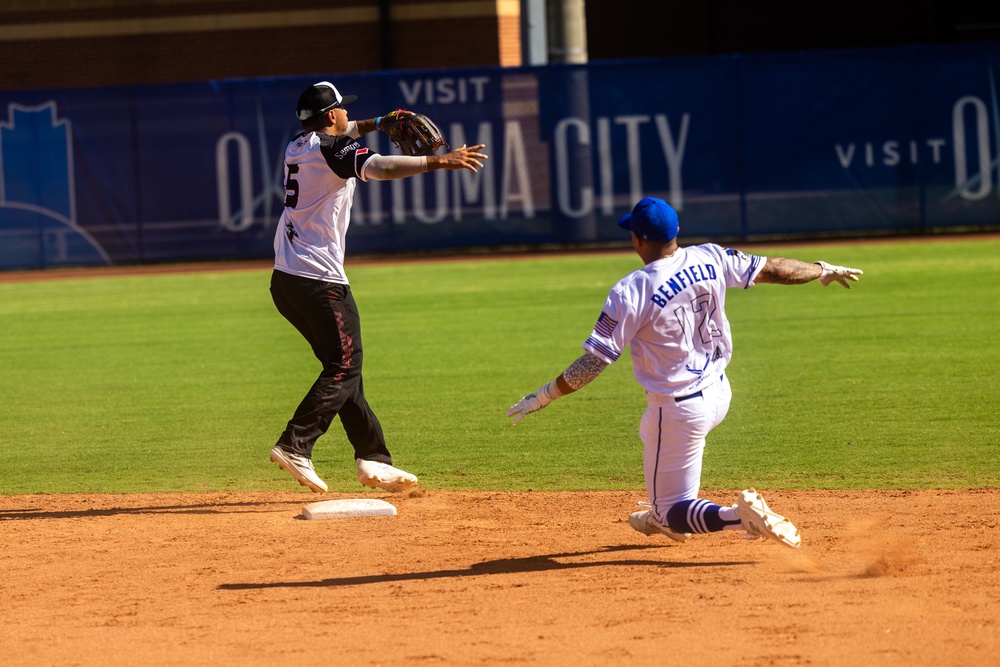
x: 463, y: 578
x: 499, y: 578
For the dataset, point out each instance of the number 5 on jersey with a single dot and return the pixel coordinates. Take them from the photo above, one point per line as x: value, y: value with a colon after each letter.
x: 291, y: 186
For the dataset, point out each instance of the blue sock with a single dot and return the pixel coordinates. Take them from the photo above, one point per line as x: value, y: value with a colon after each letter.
x: 696, y: 516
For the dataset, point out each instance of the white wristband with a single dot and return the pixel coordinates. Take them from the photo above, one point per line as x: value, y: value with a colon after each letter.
x: 551, y: 391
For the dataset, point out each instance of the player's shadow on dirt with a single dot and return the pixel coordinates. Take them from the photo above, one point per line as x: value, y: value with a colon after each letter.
x: 545, y: 563
x: 203, y: 508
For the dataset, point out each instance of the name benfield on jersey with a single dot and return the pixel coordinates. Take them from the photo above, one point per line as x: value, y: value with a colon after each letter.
x: 687, y: 276
x: 681, y: 348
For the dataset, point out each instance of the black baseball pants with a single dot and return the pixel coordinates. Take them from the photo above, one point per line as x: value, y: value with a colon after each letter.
x: 327, y: 317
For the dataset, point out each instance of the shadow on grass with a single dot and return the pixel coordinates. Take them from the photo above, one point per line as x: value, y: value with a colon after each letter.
x: 201, y: 508
x: 544, y: 563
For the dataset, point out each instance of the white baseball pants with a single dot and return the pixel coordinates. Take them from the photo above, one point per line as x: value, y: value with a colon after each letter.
x: 673, y: 432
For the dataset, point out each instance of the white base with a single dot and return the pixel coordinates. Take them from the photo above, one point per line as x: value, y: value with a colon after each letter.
x: 347, y: 508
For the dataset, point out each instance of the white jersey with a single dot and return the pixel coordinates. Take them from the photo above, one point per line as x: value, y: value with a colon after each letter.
x: 320, y: 173
x: 672, y: 314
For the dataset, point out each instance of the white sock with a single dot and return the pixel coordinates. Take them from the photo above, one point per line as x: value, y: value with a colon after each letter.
x: 730, y: 515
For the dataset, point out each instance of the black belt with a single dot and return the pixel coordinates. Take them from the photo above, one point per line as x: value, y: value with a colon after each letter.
x: 697, y: 394
x: 681, y: 399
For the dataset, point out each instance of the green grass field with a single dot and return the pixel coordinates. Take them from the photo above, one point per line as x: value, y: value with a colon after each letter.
x: 182, y: 382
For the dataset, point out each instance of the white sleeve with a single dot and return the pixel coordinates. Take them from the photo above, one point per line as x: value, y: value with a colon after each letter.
x: 614, y: 328
x: 352, y: 129
x: 388, y: 167
x: 739, y: 268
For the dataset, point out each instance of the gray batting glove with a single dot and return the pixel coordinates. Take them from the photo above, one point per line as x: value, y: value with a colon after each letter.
x: 840, y: 274
x: 530, y: 403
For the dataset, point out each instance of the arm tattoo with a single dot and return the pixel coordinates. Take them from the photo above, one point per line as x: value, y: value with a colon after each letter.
x: 583, y: 370
x: 783, y: 271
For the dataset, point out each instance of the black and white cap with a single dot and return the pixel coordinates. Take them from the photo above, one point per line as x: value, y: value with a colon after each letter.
x: 320, y: 98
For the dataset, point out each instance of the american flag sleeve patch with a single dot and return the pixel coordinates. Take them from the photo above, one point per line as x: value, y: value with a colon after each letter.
x: 605, y: 326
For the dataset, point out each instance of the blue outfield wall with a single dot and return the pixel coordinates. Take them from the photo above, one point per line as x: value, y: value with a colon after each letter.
x: 807, y: 145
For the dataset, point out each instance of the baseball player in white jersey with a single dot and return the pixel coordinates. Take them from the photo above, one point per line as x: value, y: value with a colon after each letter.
x: 671, y: 313
x: 310, y: 288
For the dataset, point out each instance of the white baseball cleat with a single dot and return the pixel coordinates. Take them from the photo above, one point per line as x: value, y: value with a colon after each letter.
x: 382, y: 475
x: 759, y: 521
x: 644, y: 522
x: 300, y: 467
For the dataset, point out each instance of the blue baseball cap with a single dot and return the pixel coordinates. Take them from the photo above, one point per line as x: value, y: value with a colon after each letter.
x: 652, y: 219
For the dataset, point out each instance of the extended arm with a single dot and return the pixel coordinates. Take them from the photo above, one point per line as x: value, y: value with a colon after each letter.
x: 783, y: 271
x: 389, y: 167
x: 576, y: 376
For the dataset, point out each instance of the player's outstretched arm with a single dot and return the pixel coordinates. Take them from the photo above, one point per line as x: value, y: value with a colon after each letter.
x: 390, y: 167
x: 783, y: 271
x: 576, y: 376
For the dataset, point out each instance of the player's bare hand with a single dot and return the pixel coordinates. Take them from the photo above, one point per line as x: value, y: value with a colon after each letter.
x: 530, y: 403
x: 841, y: 274
x: 464, y: 157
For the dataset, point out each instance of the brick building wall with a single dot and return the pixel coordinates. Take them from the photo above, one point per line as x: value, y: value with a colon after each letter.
x: 85, y: 43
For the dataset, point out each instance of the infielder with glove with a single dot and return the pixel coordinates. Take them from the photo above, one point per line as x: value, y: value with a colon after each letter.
x: 309, y: 286
x: 672, y: 314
